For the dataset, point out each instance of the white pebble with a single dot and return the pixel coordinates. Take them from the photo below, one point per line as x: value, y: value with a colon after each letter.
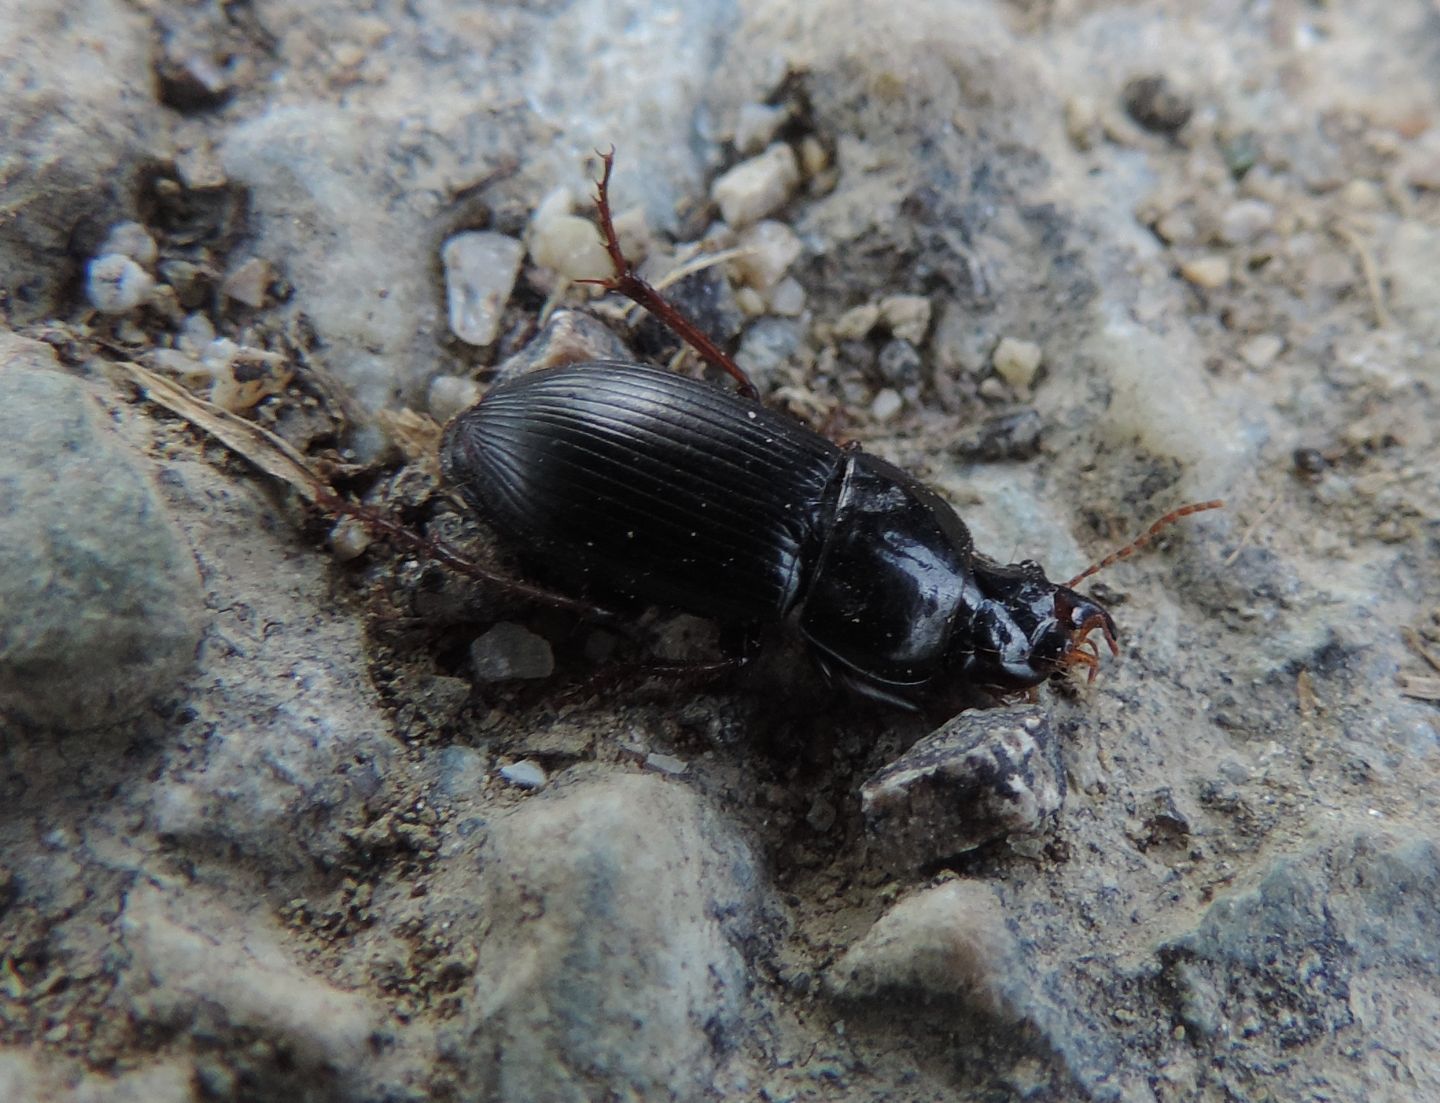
x: 1016, y: 362
x: 525, y: 774
x: 857, y: 322
x: 570, y: 246
x: 1207, y: 273
x: 908, y: 316
x: 768, y: 250
x: 249, y: 282
x: 787, y: 298
x: 196, y: 332
x: 480, y: 271
x: 886, y: 405
x: 756, y: 188
x: 115, y: 284
x: 666, y: 763
x: 130, y: 239
x: 756, y: 126
x: 1245, y: 220
x: 1363, y: 195
x: 1260, y: 351
x: 449, y: 394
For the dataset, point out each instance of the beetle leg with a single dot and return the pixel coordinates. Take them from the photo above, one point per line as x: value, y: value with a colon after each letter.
x: 627, y: 283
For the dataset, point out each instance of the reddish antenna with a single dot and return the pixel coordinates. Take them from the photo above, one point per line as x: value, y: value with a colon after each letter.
x: 1144, y: 538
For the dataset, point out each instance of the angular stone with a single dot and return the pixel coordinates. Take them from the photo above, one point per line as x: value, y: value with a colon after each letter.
x: 612, y: 965
x: 984, y: 775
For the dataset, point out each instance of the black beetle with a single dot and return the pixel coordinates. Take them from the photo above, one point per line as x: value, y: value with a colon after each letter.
x: 617, y: 479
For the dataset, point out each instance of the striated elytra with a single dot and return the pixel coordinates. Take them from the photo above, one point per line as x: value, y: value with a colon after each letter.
x: 619, y: 480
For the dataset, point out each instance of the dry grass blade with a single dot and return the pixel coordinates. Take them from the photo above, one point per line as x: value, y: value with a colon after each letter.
x: 1422, y: 687
x: 264, y: 449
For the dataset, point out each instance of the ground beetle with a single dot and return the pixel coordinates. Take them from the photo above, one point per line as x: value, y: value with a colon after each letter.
x: 619, y: 480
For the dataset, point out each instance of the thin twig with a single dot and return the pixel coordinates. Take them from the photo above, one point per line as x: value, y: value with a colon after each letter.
x: 1250, y: 531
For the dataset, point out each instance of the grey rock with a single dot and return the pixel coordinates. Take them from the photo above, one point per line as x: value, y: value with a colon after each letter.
x: 1328, y: 940
x: 949, y: 941
x: 612, y: 963
x: 569, y: 337
x: 982, y: 776
x: 508, y: 652
x: 101, y: 598
x: 199, y: 966
x: 480, y: 271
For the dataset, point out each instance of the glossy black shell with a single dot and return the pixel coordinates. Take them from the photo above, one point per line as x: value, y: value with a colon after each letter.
x: 615, y: 480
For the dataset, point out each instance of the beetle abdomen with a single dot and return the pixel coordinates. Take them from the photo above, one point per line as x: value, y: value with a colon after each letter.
x: 622, y: 479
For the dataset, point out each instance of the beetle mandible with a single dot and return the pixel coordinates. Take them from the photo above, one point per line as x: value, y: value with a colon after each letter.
x: 624, y: 480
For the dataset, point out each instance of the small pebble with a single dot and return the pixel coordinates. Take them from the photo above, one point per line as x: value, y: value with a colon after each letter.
x: 1246, y: 220
x: 666, y: 764
x: 570, y: 246
x: 1156, y: 105
x: 899, y: 363
x: 814, y: 159
x: 787, y: 298
x: 1260, y: 351
x: 525, y: 774
x: 821, y: 816
x: 1176, y: 228
x: 1209, y: 272
x: 115, y: 284
x: 449, y: 394
x: 349, y: 539
x: 756, y: 127
x: 768, y: 250
x: 994, y: 389
x: 569, y: 337
x: 887, y: 404
x: 1017, y: 362
x: 1309, y: 461
x: 757, y: 188
x: 196, y: 333
x: 1362, y: 195
x: 249, y: 377
x: 907, y: 316
x: 480, y: 271
x: 511, y: 651
x: 249, y: 282
x: 130, y: 239
x: 857, y: 322
x: 1082, y: 122
x: 751, y: 302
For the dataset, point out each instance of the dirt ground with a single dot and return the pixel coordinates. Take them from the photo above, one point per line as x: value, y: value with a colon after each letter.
x: 265, y: 835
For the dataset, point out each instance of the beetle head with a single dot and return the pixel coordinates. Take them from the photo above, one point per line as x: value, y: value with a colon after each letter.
x: 1028, y: 628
